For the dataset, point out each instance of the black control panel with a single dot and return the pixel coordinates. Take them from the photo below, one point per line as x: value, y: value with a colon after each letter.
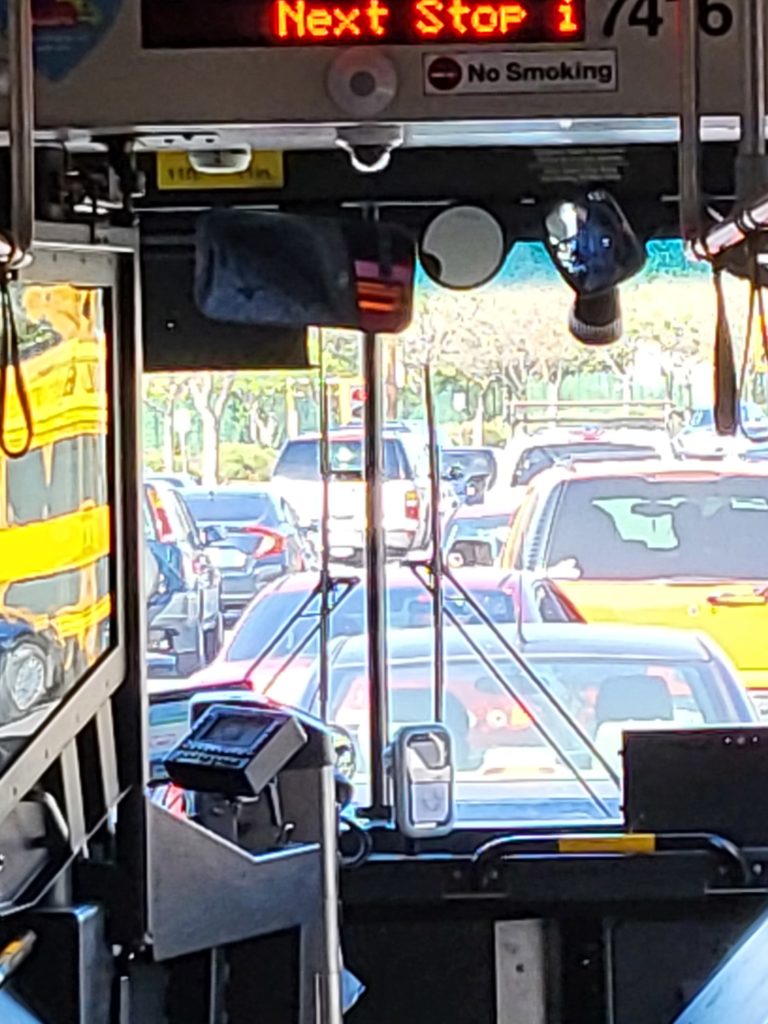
x: 235, y: 751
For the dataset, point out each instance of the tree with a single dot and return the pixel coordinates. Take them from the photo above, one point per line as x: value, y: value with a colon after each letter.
x: 263, y: 400
x: 161, y: 393
x: 210, y: 393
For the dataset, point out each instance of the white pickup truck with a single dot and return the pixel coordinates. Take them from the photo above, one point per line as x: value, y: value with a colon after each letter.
x: 406, y: 496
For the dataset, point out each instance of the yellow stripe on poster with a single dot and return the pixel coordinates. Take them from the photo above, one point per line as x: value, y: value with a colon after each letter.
x: 62, y: 544
x: 638, y: 843
x: 174, y: 172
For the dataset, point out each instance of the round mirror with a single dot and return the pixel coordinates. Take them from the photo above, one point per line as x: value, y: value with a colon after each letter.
x: 463, y: 247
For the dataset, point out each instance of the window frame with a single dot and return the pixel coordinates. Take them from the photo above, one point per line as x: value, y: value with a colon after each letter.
x: 111, y: 268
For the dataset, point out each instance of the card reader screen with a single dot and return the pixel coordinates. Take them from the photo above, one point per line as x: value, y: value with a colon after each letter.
x: 234, y: 731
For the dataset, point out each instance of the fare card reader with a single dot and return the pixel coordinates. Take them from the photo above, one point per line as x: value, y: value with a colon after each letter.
x: 423, y: 781
x: 260, y: 851
x: 235, y: 751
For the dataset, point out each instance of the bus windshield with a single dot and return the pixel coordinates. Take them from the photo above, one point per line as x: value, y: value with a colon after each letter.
x: 617, y: 577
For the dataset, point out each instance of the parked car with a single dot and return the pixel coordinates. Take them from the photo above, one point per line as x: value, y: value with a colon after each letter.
x: 501, y: 595
x: 476, y: 534
x: 406, y: 492
x: 253, y: 536
x: 678, y: 546
x: 32, y: 667
x: 188, y: 596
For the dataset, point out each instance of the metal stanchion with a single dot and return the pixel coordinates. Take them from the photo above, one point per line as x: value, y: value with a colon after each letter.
x: 325, y: 545
x: 751, y: 177
x: 375, y: 563
x: 689, y: 166
x: 436, y: 562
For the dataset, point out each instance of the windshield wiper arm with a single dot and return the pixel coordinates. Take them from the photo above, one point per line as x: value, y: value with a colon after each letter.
x: 541, y: 686
x: 545, y: 733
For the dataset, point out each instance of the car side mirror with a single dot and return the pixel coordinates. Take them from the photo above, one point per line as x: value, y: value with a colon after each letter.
x: 567, y: 569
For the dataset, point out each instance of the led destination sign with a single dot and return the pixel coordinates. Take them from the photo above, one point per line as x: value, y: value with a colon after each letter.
x: 193, y: 24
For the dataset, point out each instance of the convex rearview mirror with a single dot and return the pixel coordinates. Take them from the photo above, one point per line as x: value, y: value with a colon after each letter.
x: 594, y: 249
x: 463, y: 247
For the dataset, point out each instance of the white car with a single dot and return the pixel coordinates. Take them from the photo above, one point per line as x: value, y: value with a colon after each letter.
x: 406, y: 493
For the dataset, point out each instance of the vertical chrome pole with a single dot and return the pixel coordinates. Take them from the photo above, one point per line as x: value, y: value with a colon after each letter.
x: 329, y: 997
x: 325, y: 544
x: 751, y: 177
x: 21, y: 69
x: 375, y: 563
x: 437, y: 549
x: 689, y: 168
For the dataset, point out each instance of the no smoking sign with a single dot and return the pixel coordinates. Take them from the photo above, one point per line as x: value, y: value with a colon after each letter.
x: 530, y: 71
x: 443, y: 74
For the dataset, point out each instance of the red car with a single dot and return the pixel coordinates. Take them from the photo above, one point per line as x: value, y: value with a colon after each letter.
x: 500, y: 593
x: 284, y: 675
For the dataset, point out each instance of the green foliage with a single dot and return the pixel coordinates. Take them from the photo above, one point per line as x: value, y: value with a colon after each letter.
x: 495, y: 432
x: 488, y: 349
x: 153, y: 459
x: 239, y: 461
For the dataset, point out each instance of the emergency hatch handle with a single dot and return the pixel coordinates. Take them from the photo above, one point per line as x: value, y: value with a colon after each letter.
x: 21, y: 71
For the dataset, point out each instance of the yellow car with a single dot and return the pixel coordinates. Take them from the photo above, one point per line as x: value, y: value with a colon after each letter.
x: 683, y: 546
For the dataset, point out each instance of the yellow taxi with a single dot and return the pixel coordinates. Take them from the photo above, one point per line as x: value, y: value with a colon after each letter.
x: 682, y: 545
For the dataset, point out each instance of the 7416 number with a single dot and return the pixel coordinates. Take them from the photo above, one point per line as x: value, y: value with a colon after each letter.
x: 715, y: 16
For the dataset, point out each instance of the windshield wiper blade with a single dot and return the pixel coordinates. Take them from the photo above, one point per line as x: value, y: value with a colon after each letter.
x: 542, y: 688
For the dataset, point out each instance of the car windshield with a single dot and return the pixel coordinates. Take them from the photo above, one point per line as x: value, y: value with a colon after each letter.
x: 636, y: 528
x: 407, y: 607
x: 471, y: 463
x: 534, y: 460
x: 300, y: 459
x: 232, y: 508
x: 491, y: 529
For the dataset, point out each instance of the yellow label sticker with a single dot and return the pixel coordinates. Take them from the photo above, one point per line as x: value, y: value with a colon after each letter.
x: 174, y: 171
x: 629, y: 843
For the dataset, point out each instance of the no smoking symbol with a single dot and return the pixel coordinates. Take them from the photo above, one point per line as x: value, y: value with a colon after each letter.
x: 444, y: 74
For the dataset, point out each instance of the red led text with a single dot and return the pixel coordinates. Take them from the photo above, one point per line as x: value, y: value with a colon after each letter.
x: 307, y: 21
x: 297, y: 19
x: 437, y: 17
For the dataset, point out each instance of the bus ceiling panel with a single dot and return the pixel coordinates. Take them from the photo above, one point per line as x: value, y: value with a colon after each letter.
x: 141, y: 65
x: 327, y: 179
x: 552, y: 131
